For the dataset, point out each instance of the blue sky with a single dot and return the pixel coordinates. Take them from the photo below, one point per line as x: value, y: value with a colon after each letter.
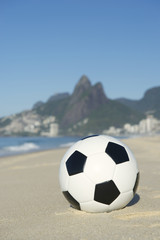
x: 46, y: 46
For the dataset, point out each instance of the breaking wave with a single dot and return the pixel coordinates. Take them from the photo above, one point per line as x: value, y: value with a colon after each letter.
x: 16, y: 145
x: 22, y: 148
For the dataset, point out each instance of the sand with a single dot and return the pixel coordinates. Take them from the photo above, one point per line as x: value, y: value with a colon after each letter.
x: 33, y: 207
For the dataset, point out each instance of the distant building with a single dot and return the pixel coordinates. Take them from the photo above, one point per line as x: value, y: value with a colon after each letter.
x: 54, y: 129
x: 146, y: 126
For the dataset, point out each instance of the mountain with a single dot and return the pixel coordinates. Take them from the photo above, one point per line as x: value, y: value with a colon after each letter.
x: 87, y: 110
x: 58, y: 96
x: 83, y: 101
x: 37, y: 104
x: 150, y: 103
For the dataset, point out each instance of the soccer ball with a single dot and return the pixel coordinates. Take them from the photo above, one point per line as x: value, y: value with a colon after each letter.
x: 98, y: 174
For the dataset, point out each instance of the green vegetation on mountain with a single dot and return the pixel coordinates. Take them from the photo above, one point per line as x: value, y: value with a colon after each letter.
x: 88, y: 110
x: 53, y: 108
x: 150, y: 103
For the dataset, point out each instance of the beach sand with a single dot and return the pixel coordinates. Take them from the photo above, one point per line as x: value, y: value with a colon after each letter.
x: 33, y: 207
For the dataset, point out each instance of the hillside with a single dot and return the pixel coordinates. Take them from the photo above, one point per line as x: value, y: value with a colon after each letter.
x: 88, y: 109
x: 150, y: 103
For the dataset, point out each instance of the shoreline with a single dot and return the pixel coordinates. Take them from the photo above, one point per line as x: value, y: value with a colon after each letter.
x: 33, y: 152
x: 21, y: 145
x: 32, y: 205
x: 67, y: 145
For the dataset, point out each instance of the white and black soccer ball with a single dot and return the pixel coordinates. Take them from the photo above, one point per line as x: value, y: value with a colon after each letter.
x: 98, y: 174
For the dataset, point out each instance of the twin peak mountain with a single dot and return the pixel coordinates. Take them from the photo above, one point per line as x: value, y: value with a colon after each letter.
x: 87, y: 110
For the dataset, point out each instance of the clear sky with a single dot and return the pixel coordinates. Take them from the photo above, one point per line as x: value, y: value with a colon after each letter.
x: 47, y: 45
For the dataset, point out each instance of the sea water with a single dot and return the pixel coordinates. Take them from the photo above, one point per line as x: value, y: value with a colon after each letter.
x: 18, y: 145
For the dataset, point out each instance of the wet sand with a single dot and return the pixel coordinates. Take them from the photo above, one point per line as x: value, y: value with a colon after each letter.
x: 33, y: 207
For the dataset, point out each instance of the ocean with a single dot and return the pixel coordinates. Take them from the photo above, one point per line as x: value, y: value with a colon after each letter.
x: 17, y: 145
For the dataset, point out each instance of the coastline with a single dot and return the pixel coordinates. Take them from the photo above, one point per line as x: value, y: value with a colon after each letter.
x: 33, y: 207
x: 11, y: 146
x: 14, y: 146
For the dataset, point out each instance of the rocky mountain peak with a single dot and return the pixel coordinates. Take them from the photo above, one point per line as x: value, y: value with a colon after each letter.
x: 86, y: 110
x: 80, y: 89
x: 99, y: 94
x: 84, y: 80
x: 82, y: 85
x: 83, y: 101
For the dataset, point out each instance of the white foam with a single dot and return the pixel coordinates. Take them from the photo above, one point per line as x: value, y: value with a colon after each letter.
x: 22, y: 148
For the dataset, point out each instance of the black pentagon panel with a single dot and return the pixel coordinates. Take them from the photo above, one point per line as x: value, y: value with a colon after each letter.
x: 117, y: 152
x: 136, y: 183
x: 75, y: 163
x: 106, y: 192
x: 71, y: 200
x: 89, y: 136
